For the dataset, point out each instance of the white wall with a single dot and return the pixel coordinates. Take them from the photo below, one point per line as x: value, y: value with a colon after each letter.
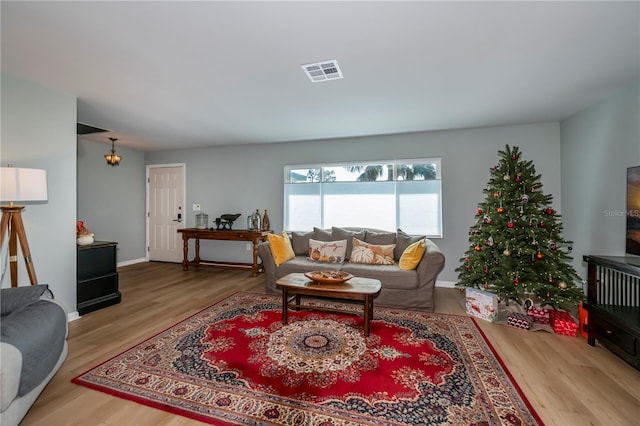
x: 111, y: 200
x: 39, y: 131
x: 598, y: 144
x: 241, y: 179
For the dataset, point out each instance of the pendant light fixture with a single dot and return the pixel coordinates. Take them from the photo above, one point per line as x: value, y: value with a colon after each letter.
x: 113, y: 159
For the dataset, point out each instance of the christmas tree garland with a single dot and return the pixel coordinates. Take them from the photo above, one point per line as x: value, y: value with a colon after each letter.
x: 516, y: 249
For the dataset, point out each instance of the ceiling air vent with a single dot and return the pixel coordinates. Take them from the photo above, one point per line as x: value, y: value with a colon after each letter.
x: 323, y: 71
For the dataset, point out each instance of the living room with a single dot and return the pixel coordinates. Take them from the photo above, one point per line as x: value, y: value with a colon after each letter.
x: 582, y: 158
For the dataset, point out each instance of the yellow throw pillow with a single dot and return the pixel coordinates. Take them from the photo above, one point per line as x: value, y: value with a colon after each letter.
x: 281, y: 248
x: 412, y: 255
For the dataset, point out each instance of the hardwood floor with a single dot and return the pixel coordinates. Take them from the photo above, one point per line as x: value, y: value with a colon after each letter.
x: 566, y: 381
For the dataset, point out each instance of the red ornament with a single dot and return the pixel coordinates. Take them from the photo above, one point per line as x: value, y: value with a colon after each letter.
x: 539, y: 256
x: 478, y: 248
x: 510, y: 225
x: 549, y: 211
x: 466, y: 259
x: 500, y: 210
x: 541, y: 224
x: 514, y: 157
x: 486, y: 272
x: 479, y: 212
x: 517, y: 281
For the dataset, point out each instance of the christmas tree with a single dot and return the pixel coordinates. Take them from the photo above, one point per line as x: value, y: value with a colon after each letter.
x: 516, y: 248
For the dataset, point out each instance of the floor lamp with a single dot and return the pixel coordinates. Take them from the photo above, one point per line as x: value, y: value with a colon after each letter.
x: 19, y: 184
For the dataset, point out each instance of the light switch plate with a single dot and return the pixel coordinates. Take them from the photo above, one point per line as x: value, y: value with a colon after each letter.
x: 196, y: 207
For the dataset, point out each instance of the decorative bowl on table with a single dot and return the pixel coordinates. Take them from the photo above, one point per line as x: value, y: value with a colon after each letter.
x: 328, y: 277
x: 85, y: 239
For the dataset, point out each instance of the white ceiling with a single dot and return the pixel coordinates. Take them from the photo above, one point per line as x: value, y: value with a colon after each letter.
x: 165, y: 75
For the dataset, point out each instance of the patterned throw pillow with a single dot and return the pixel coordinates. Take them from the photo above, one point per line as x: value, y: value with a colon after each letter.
x: 371, y: 253
x: 327, y: 251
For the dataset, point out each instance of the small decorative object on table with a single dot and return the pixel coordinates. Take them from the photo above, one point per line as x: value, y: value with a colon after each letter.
x: 563, y: 323
x: 265, y: 221
x: 226, y: 220
x: 328, y: 277
x: 84, y: 237
x: 481, y: 304
x: 202, y: 221
x: 519, y: 320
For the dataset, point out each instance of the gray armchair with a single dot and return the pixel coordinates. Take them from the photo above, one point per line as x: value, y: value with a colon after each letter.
x: 33, y: 346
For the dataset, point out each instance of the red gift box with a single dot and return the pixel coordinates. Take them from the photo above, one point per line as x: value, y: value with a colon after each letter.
x: 519, y: 320
x: 539, y: 315
x: 563, y: 323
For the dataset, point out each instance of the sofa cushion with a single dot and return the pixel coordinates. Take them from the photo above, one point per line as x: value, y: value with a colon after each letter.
x: 302, y: 264
x: 327, y: 251
x: 344, y: 234
x: 371, y: 253
x: 16, y: 298
x: 391, y: 276
x: 300, y: 242
x: 321, y: 234
x: 380, y: 238
x: 280, y: 248
x: 412, y: 255
x: 404, y: 240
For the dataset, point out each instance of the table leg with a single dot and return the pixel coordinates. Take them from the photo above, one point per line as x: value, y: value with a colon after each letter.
x: 285, y: 302
x: 368, y: 313
x: 254, y: 267
x: 197, y: 258
x: 185, y: 252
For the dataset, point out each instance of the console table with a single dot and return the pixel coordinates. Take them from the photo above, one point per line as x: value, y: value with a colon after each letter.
x: 228, y: 235
x: 613, y: 304
x: 97, y: 276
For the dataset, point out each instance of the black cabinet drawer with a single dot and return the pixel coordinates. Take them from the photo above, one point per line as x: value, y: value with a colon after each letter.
x: 614, y: 334
x: 93, y: 289
x: 96, y: 262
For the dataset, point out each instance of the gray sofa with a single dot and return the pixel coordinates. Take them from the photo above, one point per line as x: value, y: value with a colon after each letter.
x: 412, y: 289
x: 33, y: 346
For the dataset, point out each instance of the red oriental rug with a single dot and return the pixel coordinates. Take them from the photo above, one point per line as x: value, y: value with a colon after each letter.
x: 234, y: 362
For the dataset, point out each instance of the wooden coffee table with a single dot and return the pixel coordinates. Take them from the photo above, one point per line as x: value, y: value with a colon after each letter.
x: 360, y: 289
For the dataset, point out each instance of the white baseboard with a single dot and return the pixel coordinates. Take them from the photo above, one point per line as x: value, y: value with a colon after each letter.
x: 446, y: 284
x: 72, y: 316
x: 132, y: 262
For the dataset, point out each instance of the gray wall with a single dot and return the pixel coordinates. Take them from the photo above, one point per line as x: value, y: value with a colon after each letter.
x: 39, y: 131
x: 598, y: 144
x: 111, y: 200
x: 240, y: 179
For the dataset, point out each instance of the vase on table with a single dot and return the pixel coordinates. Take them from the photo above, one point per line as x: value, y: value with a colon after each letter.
x: 265, y: 221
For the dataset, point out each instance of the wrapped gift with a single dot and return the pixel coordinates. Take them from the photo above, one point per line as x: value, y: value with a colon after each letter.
x: 519, y: 320
x: 481, y: 304
x: 563, y: 323
x: 583, y: 320
x: 539, y: 315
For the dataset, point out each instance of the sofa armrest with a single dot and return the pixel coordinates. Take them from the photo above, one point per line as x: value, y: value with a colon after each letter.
x: 431, y: 264
x: 268, y: 265
x: 10, y: 370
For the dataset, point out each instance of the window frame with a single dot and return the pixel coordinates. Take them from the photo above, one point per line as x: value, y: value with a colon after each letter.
x: 436, y: 161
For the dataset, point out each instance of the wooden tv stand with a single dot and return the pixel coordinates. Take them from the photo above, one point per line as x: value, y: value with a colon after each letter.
x: 613, y: 303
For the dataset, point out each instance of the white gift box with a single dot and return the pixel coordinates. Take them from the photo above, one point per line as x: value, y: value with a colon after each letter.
x: 481, y: 304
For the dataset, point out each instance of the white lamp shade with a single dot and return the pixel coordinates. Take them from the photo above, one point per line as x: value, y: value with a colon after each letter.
x: 18, y: 184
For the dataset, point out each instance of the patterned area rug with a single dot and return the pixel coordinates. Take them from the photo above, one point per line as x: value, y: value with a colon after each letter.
x: 235, y: 363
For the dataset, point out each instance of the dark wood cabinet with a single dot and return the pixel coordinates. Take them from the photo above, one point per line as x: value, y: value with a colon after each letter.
x: 613, y: 303
x: 97, y: 277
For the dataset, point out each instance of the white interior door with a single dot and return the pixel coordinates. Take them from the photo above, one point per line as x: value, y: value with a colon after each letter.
x: 165, y: 198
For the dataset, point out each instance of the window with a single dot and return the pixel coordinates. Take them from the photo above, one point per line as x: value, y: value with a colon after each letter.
x: 405, y: 194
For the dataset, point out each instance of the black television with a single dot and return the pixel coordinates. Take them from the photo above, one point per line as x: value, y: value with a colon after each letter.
x: 633, y: 210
